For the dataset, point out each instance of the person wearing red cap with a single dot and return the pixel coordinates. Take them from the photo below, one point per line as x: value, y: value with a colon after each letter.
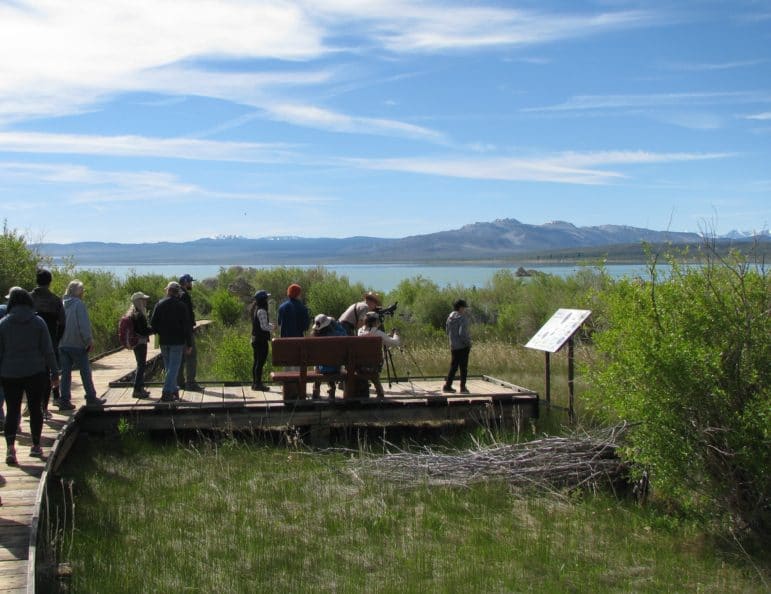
x: 293, y: 316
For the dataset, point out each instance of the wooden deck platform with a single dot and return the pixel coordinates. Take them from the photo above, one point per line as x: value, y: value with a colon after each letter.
x: 220, y: 407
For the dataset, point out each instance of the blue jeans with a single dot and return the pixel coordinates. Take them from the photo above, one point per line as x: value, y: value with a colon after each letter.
x: 172, y: 360
x: 70, y: 357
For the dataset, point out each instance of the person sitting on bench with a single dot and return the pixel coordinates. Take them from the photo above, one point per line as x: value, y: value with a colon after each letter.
x: 324, y: 325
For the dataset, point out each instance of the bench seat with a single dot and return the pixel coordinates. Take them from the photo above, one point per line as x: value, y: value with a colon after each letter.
x: 359, y: 356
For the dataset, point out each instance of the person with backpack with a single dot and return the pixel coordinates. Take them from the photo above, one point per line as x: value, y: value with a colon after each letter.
x: 261, y: 331
x: 49, y: 307
x: 133, y: 333
x: 27, y: 366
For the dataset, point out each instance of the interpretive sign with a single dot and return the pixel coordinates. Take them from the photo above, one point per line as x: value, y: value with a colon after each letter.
x: 560, y: 327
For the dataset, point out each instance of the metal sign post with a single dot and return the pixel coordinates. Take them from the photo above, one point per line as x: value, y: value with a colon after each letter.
x: 551, y: 337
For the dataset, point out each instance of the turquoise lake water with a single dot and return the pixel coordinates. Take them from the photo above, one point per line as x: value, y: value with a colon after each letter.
x: 379, y: 277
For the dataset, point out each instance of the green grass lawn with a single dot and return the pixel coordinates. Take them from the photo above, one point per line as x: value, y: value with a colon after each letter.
x: 246, y: 516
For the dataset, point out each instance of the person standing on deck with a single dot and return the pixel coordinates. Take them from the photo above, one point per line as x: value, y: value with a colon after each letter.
x: 189, y: 364
x: 353, y: 318
x: 138, y: 314
x: 75, y: 345
x: 261, y: 333
x: 171, y: 322
x: 457, y: 327
x: 49, y: 307
x: 27, y: 365
x: 293, y: 315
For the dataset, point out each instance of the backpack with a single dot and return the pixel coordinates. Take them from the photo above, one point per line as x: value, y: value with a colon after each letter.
x: 126, y: 335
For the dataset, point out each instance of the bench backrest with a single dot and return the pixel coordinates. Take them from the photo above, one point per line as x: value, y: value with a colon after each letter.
x: 351, y: 351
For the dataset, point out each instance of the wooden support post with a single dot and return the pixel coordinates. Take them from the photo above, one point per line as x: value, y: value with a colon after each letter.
x: 571, y: 380
x: 547, y: 379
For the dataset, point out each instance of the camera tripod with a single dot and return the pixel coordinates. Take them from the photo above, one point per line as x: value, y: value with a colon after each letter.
x: 388, y: 359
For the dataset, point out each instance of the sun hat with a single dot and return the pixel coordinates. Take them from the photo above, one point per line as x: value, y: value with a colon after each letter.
x: 372, y: 296
x: 321, y: 321
x: 13, y: 290
x: 139, y: 295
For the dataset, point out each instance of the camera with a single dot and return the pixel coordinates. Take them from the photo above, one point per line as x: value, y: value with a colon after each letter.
x: 382, y: 312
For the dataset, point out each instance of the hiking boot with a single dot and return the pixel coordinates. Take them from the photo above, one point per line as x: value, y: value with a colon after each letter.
x: 193, y: 387
x: 36, y: 451
x: 65, y: 405
x: 140, y: 394
x: 167, y: 397
x: 95, y: 401
x: 464, y: 390
x: 47, y: 415
x: 261, y: 387
x: 10, y: 457
x: 448, y: 389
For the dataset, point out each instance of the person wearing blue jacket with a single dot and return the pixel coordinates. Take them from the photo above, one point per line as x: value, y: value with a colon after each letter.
x: 293, y: 316
x: 74, y: 347
x: 27, y: 365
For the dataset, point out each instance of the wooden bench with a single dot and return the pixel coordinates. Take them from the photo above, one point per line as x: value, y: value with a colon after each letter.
x: 362, y: 357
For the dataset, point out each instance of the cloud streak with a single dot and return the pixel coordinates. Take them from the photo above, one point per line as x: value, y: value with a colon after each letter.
x: 143, y: 146
x: 103, y: 187
x: 564, y: 168
x: 63, y: 58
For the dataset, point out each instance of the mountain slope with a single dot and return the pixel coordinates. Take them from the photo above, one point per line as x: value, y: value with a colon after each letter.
x: 499, y: 239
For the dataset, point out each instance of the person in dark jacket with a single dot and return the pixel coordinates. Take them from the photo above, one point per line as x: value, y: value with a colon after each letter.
x: 27, y: 365
x: 293, y: 316
x: 457, y: 328
x: 171, y: 322
x: 261, y: 333
x: 189, y: 365
x: 138, y: 314
x: 3, y: 311
x: 49, y: 307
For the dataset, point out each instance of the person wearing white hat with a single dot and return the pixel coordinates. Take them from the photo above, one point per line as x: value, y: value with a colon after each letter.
x: 324, y: 325
x: 137, y: 339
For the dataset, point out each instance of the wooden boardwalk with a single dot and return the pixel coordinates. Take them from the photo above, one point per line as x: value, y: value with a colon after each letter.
x: 218, y: 406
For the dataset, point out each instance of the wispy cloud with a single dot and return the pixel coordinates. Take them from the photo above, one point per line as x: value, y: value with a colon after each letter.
x: 143, y: 146
x: 564, y: 168
x: 324, y: 119
x: 713, y: 66
x: 612, y: 102
x: 764, y: 116
x: 62, y: 58
x: 92, y: 186
x: 405, y: 26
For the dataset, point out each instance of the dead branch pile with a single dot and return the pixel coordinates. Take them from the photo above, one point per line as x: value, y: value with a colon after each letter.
x: 579, y: 461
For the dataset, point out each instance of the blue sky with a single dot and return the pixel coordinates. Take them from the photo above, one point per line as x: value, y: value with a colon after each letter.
x: 158, y: 120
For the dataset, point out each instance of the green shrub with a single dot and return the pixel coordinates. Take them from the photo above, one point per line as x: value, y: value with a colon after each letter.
x: 227, y: 308
x: 332, y: 295
x: 230, y: 351
x: 688, y: 358
x: 18, y: 261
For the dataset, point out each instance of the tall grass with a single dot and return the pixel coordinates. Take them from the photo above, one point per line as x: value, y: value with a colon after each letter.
x: 240, y: 516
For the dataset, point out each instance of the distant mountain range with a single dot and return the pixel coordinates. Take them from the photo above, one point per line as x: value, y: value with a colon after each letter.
x: 499, y: 240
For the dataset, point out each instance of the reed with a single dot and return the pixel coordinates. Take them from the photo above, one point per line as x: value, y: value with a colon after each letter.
x: 244, y: 516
